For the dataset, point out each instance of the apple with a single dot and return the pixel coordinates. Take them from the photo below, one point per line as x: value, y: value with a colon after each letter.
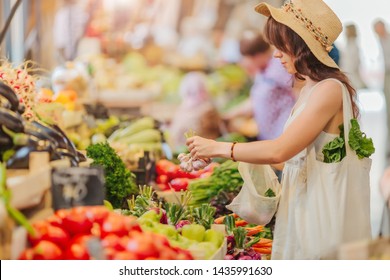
x: 214, y: 236
x: 194, y: 232
x: 203, y: 250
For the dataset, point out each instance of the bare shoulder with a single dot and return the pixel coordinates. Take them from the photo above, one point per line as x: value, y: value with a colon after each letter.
x: 328, y: 93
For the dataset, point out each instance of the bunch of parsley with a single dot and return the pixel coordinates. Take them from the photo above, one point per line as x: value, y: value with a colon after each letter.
x: 120, y: 182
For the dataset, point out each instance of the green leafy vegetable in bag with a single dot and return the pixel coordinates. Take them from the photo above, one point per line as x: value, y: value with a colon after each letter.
x: 334, y: 151
x: 269, y: 193
x: 359, y: 142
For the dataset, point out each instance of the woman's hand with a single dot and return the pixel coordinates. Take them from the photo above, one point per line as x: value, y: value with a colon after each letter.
x: 206, y: 148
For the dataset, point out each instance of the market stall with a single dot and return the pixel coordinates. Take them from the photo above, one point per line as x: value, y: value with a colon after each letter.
x: 90, y: 169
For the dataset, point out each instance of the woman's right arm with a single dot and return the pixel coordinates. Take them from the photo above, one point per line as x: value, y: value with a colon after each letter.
x: 324, y: 103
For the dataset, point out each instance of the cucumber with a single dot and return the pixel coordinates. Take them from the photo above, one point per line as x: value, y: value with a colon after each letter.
x: 144, y: 136
x: 133, y: 128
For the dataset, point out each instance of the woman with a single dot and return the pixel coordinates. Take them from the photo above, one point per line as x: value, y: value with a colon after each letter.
x: 303, y: 32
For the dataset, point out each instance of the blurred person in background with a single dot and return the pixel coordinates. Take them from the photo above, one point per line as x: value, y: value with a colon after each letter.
x: 384, y: 39
x: 271, y: 96
x: 69, y: 26
x: 196, y: 111
x: 350, y: 58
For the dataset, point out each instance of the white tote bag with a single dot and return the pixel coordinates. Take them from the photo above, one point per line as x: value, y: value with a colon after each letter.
x: 336, y: 206
x: 251, y: 204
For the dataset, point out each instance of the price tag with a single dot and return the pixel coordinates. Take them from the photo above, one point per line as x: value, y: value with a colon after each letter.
x: 77, y: 186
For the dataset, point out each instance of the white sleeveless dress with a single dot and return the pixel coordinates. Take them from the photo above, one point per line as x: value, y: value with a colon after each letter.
x: 287, y: 239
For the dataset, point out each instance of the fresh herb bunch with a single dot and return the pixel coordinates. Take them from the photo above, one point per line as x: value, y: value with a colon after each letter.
x: 120, y: 182
x: 334, y: 151
x: 143, y: 202
x: 203, y: 215
x: 225, y: 177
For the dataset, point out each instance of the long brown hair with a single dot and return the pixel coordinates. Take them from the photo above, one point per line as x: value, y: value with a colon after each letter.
x: 306, y: 64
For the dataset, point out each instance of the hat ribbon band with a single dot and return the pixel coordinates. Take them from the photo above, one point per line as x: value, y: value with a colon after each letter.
x: 315, y: 31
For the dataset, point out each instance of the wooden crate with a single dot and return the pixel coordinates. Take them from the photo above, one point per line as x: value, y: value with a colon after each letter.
x: 28, y: 186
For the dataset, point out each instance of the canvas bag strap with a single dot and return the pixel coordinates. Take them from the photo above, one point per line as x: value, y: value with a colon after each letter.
x: 347, y: 116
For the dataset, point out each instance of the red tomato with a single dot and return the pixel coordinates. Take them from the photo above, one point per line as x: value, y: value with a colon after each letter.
x: 27, y: 254
x: 142, y: 244
x: 119, y: 225
x: 77, y: 251
x: 96, y: 214
x: 77, y: 222
x: 110, y: 253
x: 81, y: 239
x: 46, y: 250
x: 55, y: 221
x: 179, y: 184
x: 45, y: 231
x: 124, y: 255
x: 190, y: 175
x: 113, y: 241
x: 162, y: 179
x: 168, y: 168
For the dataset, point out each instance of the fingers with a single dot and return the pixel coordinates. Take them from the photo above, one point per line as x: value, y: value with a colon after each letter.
x: 191, y: 146
x: 190, y: 140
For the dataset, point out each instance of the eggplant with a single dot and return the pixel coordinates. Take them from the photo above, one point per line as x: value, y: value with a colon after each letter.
x: 12, y: 120
x: 81, y: 156
x: 40, y: 134
x: 66, y: 154
x: 51, y: 132
x: 5, y: 141
x: 20, y: 160
x: 71, y: 147
x: 10, y: 95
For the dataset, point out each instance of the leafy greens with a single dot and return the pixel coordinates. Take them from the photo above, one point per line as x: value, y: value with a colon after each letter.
x: 334, y: 151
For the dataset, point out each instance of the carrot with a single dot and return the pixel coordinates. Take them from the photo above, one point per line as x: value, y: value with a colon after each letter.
x: 264, y: 241
x: 264, y: 245
x: 254, y: 228
x: 253, y: 231
x: 241, y: 223
x: 219, y: 220
x: 265, y: 251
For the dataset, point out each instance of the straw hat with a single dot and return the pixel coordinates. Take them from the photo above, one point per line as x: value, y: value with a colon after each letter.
x: 312, y: 20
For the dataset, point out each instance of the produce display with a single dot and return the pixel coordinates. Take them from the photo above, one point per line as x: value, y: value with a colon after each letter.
x: 185, y: 226
x: 94, y: 232
x: 245, y: 241
x: 135, y: 221
x: 21, y: 136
